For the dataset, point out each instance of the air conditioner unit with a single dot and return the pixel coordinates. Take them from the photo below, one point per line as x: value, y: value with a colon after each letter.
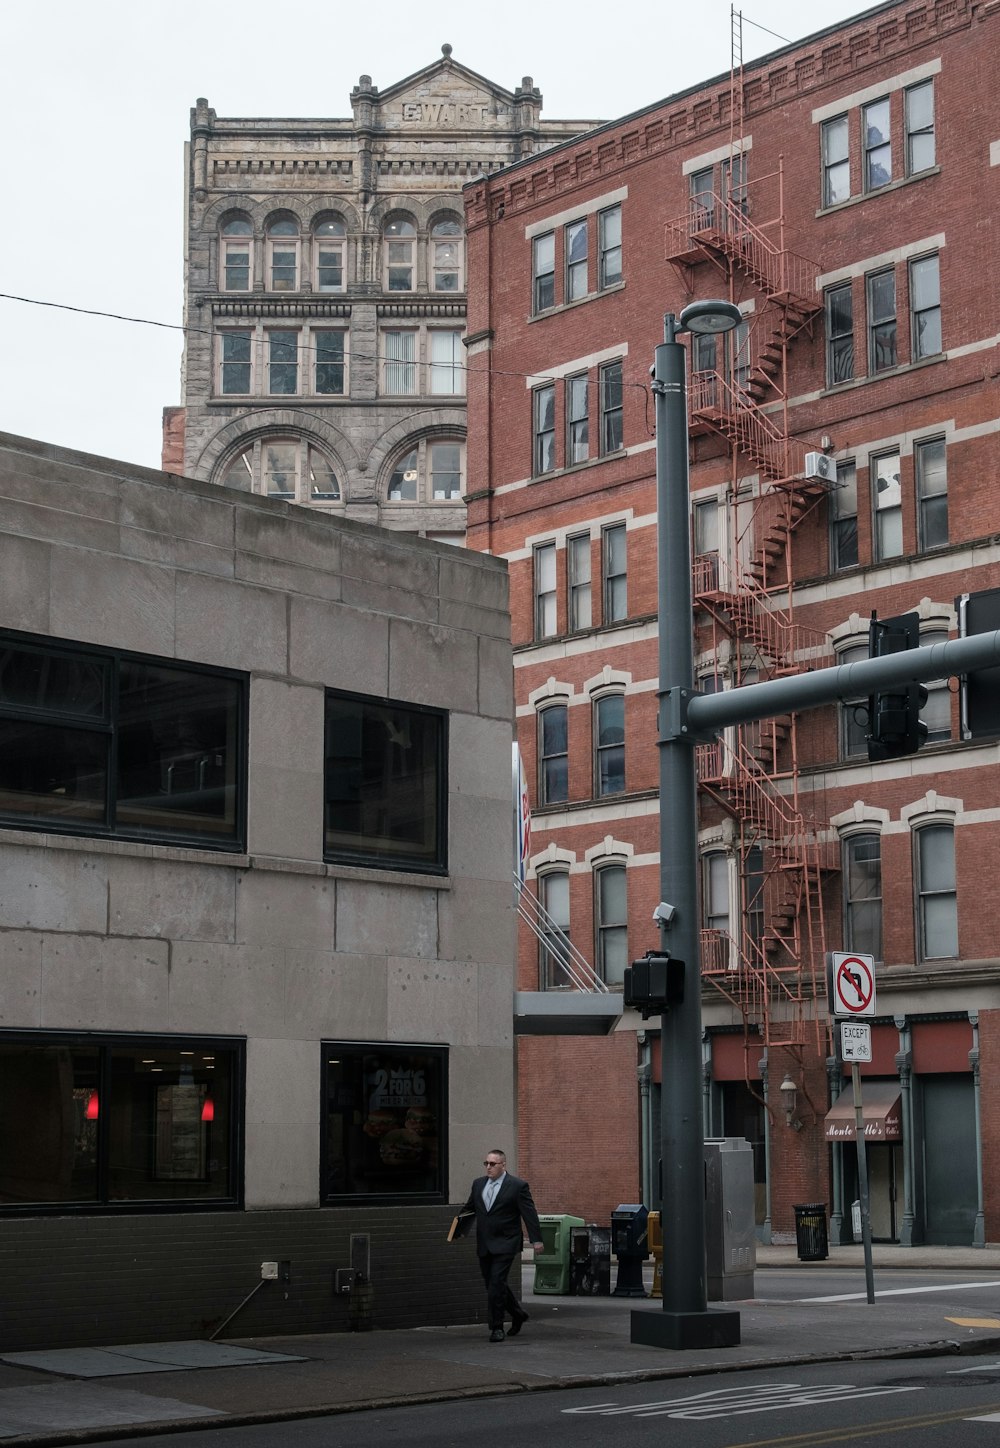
x: 818, y: 465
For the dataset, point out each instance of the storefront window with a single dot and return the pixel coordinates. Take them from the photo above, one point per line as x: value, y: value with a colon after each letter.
x: 385, y: 1122
x: 97, y: 1124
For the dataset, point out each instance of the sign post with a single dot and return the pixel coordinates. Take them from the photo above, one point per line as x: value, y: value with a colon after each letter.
x: 853, y: 979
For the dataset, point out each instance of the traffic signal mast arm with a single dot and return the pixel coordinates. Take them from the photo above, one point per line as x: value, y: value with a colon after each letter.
x: 694, y: 716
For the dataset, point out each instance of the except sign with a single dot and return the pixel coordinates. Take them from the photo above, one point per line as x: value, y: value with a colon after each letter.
x: 853, y: 984
x: 855, y: 1041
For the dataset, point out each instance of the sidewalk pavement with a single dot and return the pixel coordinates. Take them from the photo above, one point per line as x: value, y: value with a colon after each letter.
x: 96, y: 1395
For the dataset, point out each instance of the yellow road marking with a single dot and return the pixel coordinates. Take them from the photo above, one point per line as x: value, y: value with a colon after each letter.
x: 974, y: 1321
x: 870, y: 1430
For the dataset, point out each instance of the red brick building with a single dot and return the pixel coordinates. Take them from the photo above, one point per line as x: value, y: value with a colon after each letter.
x: 844, y: 193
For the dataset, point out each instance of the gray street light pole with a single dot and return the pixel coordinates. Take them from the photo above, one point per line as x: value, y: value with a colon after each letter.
x: 685, y: 1321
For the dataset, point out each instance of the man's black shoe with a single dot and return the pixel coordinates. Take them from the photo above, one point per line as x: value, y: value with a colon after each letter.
x: 520, y: 1318
x: 497, y: 1335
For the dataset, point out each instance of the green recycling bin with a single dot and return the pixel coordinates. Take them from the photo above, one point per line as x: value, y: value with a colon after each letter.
x: 552, y: 1263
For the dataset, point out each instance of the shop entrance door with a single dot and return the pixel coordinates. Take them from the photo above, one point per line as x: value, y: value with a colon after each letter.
x: 948, y: 1152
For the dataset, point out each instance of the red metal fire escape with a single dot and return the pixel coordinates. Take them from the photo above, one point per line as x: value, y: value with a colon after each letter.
x: 772, y: 969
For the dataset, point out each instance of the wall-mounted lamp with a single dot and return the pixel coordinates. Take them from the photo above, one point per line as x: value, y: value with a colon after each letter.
x: 789, y: 1100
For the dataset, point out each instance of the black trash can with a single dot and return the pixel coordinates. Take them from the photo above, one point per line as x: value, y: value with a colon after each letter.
x: 811, y: 1239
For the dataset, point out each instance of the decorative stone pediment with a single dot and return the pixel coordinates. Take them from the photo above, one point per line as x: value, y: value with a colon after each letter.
x: 441, y: 98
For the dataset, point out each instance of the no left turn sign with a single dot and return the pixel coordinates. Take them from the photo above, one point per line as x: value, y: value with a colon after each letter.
x: 853, y: 985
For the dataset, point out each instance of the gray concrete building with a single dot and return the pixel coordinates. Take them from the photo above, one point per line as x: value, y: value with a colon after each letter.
x: 325, y: 295
x: 256, y: 929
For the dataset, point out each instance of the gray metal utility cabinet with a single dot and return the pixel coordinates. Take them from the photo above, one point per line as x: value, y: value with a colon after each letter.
x: 730, y: 1239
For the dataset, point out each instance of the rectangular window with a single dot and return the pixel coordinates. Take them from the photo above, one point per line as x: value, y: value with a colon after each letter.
x: 385, y: 1123
x: 881, y: 289
x: 702, y: 201
x: 575, y: 245
x: 236, y: 265
x: 930, y: 466
x: 447, y: 369
x: 106, y: 1123
x: 863, y: 894
x: 283, y: 363
x: 918, y: 118
x: 836, y: 161
x: 280, y: 468
x: 553, y: 960
x: 544, y: 424
x: 612, y: 924
x: 104, y: 743
x: 386, y: 784
x: 330, y: 266
x: 877, y: 144
x: 283, y: 257
x: 925, y: 307
x: 609, y: 232
x: 446, y: 469
x: 844, y: 519
x: 888, y: 504
x: 577, y: 419
x: 543, y: 271
x: 615, y: 578
x: 578, y: 582
x: 839, y: 334
x: 937, y: 902
x: 609, y: 744
x: 705, y: 521
x: 330, y: 363
x: 715, y: 892
x: 400, y: 366
x: 553, y: 754
x: 610, y: 388
x: 545, y: 590
x: 236, y: 363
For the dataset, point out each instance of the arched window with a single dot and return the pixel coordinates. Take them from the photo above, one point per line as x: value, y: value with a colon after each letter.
x: 446, y: 256
x: 236, y: 255
x: 283, y: 255
x: 431, y: 472
x: 284, y: 467
x: 330, y: 254
x: 400, y: 244
x: 553, y: 754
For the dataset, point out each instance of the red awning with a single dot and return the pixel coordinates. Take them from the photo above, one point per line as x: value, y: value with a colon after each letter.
x: 880, y: 1112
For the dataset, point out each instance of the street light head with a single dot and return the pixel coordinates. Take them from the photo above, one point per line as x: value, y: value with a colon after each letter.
x: 708, y: 318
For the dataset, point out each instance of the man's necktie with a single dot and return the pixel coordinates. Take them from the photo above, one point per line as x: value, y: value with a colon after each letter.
x: 490, y: 1193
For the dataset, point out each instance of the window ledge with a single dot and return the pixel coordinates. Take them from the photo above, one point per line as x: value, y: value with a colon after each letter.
x: 236, y: 860
x: 881, y: 191
x: 577, y: 302
x: 619, y: 452
x: 837, y: 388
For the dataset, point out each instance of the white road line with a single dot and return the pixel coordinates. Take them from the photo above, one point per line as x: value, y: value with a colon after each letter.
x: 905, y: 1291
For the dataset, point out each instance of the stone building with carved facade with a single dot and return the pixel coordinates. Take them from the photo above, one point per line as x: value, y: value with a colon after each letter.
x: 325, y: 295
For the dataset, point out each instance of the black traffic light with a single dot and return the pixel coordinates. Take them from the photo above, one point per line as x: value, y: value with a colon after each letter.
x: 980, y: 692
x: 654, y: 983
x: 895, y: 727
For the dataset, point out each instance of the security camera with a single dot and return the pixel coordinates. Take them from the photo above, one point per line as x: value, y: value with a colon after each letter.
x: 664, y: 913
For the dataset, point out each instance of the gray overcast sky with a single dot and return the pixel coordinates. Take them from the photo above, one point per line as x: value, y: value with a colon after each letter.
x: 95, y: 110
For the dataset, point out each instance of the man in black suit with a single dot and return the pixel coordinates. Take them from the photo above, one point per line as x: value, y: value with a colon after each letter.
x: 500, y: 1202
